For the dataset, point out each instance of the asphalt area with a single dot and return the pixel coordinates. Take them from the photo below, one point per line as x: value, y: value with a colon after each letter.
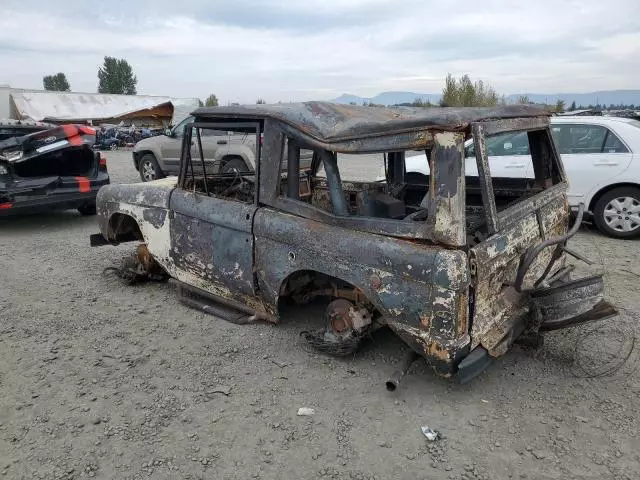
x: 109, y: 381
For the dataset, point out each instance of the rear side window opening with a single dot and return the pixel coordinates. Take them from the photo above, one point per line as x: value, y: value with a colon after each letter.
x: 404, y: 198
x: 362, y: 194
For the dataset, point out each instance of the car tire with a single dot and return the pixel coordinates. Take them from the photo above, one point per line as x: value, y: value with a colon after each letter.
x: 149, y: 168
x: 88, y: 209
x: 617, y: 212
x: 113, y: 146
x: 233, y: 164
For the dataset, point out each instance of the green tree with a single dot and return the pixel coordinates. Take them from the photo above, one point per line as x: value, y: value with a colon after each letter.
x: 572, y: 107
x: 56, y: 83
x: 211, y: 101
x: 559, y: 108
x: 463, y: 92
x: 260, y: 101
x: 418, y: 102
x: 116, y: 76
x: 524, y: 100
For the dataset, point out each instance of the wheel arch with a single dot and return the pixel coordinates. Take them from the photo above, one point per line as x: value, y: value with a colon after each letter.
x: 596, y: 196
x: 317, y: 283
x: 137, y: 156
x: 228, y: 157
x: 243, y: 152
x: 122, y: 227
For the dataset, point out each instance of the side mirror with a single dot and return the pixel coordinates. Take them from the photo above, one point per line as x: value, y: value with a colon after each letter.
x: 168, y: 132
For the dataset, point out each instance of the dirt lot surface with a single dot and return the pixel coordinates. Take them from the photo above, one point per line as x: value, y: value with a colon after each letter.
x: 107, y: 381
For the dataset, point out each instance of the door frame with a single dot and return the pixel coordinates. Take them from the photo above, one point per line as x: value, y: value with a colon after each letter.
x: 185, y: 156
x: 480, y: 130
x: 230, y: 216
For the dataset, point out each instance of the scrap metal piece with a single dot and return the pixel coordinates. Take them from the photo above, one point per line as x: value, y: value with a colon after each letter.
x: 601, y: 311
x: 430, y: 434
x: 325, y: 342
x: 224, y: 308
x: 560, y: 303
x: 575, y: 254
x: 394, y: 381
x: 473, y: 365
x: 534, y: 251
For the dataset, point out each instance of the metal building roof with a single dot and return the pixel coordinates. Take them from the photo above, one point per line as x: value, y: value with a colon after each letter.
x: 67, y: 106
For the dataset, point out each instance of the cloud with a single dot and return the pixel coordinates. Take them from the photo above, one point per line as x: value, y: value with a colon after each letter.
x: 293, y: 50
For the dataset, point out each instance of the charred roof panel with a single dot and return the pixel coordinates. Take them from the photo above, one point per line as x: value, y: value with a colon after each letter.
x: 333, y: 123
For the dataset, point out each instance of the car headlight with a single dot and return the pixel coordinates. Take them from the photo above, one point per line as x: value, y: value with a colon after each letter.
x: 3, y: 170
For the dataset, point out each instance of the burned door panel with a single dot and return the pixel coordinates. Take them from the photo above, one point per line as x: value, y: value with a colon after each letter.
x: 498, y: 307
x: 211, y: 238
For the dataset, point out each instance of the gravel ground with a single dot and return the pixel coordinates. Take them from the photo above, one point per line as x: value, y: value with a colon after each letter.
x: 107, y: 381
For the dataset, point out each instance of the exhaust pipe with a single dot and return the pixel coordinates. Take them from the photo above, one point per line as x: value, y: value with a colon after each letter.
x: 394, y: 381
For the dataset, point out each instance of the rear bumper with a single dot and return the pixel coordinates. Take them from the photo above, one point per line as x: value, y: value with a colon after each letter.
x: 42, y: 203
x: 24, y: 196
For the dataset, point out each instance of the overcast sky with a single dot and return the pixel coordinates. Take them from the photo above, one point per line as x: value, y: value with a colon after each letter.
x: 317, y: 49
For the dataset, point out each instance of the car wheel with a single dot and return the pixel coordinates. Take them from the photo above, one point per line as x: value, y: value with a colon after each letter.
x: 617, y: 212
x: 89, y: 209
x: 234, y: 164
x: 149, y: 168
x: 113, y: 146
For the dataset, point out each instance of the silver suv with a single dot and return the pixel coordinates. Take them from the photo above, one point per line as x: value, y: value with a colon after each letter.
x: 224, y: 152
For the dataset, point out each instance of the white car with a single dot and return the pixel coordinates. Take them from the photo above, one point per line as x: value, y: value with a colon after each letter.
x: 601, y: 156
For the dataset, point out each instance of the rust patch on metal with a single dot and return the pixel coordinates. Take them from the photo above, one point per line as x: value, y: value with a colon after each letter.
x: 438, y: 351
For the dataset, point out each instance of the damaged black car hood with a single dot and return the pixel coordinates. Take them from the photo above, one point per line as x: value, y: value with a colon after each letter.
x: 18, y: 149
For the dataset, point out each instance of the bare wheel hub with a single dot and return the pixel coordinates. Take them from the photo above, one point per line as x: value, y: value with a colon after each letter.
x: 345, y: 326
x: 338, y: 317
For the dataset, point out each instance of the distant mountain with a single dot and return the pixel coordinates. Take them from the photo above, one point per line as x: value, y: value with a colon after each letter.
x: 388, y: 98
x: 603, y: 97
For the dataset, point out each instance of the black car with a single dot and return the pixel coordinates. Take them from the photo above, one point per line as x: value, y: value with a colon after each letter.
x: 51, y: 169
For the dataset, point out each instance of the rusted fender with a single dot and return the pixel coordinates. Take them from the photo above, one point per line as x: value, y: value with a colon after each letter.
x: 420, y: 289
x: 145, y: 202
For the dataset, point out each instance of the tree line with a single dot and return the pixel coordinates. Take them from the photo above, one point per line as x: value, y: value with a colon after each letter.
x: 114, y: 76
x: 463, y: 92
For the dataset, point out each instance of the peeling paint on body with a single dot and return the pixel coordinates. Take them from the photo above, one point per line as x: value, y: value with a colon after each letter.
x: 444, y: 284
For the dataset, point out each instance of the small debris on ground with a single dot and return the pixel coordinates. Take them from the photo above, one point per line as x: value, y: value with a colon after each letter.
x: 430, y: 434
x: 280, y: 364
x: 305, y: 411
x: 225, y: 390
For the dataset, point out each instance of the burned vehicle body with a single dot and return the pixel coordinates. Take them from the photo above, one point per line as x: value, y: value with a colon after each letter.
x: 452, y: 265
x: 51, y: 169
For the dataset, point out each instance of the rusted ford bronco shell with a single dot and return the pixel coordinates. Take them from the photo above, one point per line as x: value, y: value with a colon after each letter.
x: 458, y: 267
